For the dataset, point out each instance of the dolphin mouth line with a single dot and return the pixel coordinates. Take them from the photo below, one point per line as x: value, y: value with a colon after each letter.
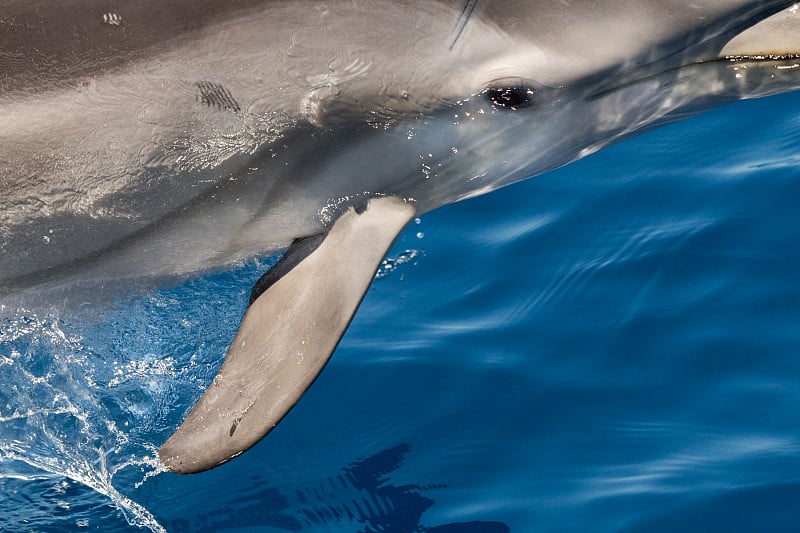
x: 758, y: 57
x: 754, y: 58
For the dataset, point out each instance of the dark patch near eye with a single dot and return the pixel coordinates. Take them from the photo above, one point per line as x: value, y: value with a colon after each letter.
x: 216, y: 95
x: 510, y: 96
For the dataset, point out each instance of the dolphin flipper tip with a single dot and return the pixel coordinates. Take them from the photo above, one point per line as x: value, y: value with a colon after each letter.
x: 293, y: 324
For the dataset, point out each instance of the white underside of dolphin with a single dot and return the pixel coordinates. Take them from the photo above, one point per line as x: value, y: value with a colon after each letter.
x: 161, y: 139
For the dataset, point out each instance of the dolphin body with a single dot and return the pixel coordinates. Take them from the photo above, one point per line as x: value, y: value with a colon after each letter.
x: 160, y: 138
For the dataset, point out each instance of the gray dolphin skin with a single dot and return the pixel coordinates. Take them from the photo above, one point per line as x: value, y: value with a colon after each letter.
x: 157, y: 139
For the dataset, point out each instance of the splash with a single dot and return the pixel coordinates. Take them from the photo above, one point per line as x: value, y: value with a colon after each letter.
x: 392, y: 263
x: 87, y: 396
x: 54, y: 423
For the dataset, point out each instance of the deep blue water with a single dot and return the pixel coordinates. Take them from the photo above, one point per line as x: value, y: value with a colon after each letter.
x: 613, y: 346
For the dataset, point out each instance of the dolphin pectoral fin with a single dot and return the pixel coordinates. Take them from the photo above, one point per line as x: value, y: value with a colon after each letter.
x: 298, y: 312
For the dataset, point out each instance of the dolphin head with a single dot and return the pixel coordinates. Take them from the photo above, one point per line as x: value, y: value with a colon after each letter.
x: 495, y: 92
x: 580, y: 77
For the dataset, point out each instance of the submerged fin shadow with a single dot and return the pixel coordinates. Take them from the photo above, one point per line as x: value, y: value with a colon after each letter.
x: 360, y: 497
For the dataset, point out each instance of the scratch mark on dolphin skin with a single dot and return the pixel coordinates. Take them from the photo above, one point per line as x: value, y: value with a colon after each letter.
x: 466, y: 14
x: 216, y: 95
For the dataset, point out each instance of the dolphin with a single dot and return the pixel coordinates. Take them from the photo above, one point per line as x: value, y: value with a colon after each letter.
x: 161, y: 138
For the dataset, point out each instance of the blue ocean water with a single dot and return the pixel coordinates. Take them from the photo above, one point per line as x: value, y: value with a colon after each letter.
x: 613, y: 346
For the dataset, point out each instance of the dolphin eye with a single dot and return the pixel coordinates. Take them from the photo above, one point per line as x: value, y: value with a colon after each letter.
x: 513, y: 95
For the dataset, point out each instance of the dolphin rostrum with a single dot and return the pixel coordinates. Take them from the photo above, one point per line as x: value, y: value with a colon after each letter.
x: 160, y: 138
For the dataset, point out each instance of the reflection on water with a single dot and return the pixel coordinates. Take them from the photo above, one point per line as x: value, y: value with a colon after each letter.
x: 359, y: 498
